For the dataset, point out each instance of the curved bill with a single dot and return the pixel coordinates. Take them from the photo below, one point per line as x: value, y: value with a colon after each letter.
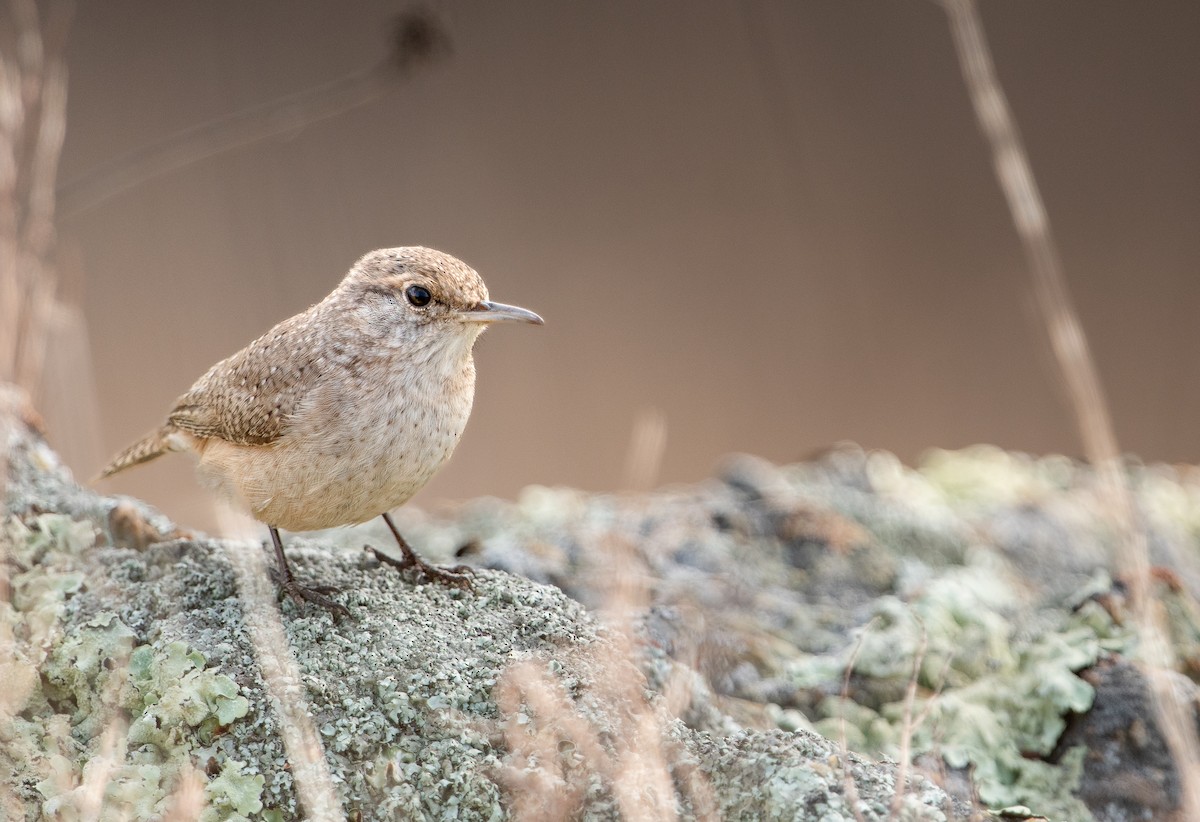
x: 487, y: 311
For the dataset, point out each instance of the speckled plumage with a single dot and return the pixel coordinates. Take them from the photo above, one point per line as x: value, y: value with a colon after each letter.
x: 345, y: 410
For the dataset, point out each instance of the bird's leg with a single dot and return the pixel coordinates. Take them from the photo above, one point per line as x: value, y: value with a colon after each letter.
x: 459, y: 575
x: 298, y: 592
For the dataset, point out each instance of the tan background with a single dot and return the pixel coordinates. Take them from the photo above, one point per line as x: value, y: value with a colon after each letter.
x: 775, y: 222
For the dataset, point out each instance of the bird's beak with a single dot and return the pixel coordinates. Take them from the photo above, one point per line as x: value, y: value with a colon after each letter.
x: 490, y: 312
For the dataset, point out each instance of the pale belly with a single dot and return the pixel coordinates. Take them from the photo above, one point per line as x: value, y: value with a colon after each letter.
x: 328, y: 475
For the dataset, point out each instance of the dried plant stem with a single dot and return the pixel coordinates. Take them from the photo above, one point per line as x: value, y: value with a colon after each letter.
x: 927, y: 708
x: 100, y: 766
x: 285, y: 687
x: 908, y: 725
x: 636, y: 759
x: 1083, y: 383
x: 644, y: 461
x: 848, y: 786
x: 187, y: 799
x: 33, y: 93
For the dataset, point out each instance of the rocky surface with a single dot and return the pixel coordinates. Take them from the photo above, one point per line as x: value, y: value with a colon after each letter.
x: 700, y: 651
x: 148, y: 674
x: 988, y: 573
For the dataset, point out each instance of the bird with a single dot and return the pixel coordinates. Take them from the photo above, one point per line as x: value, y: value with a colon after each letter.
x: 343, y: 412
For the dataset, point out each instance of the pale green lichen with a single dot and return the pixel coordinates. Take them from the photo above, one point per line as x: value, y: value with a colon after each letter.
x: 999, y: 671
x: 174, y: 697
x: 1003, y: 696
x: 69, y: 736
x: 44, y: 552
x: 234, y: 794
x: 175, y: 705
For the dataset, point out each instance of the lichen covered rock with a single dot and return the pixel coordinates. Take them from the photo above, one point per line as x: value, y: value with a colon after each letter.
x: 985, y: 576
x: 140, y: 676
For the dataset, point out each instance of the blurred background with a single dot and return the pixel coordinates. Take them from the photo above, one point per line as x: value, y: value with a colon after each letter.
x: 773, y: 223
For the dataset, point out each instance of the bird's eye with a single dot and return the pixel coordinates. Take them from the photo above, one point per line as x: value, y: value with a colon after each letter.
x: 418, y: 295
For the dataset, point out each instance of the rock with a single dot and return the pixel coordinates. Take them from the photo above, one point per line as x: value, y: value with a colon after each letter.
x: 985, y: 572
x: 148, y: 672
x: 1128, y: 773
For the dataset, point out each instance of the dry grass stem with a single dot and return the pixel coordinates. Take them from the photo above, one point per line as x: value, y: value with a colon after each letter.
x: 68, y: 390
x: 33, y: 93
x: 188, y: 801
x: 555, y: 749
x: 1175, y: 717
x: 927, y: 708
x: 109, y: 753
x: 848, y: 786
x: 644, y: 461
x: 908, y: 726
x: 285, y: 688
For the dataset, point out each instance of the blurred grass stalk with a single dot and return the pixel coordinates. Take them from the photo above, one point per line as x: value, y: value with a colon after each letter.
x: 33, y: 96
x: 1174, y: 714
x: 285, y: 687
x: 642, y: 764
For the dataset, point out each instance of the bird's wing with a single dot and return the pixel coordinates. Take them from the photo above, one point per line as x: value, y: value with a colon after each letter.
x: 250, y: 397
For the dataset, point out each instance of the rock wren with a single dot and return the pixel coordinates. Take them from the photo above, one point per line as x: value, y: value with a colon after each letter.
x: 344, y: 411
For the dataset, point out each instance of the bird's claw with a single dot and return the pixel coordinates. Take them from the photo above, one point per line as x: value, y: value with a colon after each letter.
x: 458, y: 577
x: 316, y: 594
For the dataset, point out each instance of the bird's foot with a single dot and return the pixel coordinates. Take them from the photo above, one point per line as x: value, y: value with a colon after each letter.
x: 316, y: 594
x: 459, y: 576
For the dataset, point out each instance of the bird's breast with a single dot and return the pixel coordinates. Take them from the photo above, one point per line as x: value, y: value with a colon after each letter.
x: 356, y: 450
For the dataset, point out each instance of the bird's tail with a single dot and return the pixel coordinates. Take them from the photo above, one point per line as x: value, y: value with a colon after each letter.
x: 154, y: 444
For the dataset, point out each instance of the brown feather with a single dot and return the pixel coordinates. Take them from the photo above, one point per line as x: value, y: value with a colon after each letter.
x: 154, y: 444
x: 250, y: 397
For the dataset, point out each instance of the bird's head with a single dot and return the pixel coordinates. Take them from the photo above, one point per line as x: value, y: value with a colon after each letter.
x: 417, y: 296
